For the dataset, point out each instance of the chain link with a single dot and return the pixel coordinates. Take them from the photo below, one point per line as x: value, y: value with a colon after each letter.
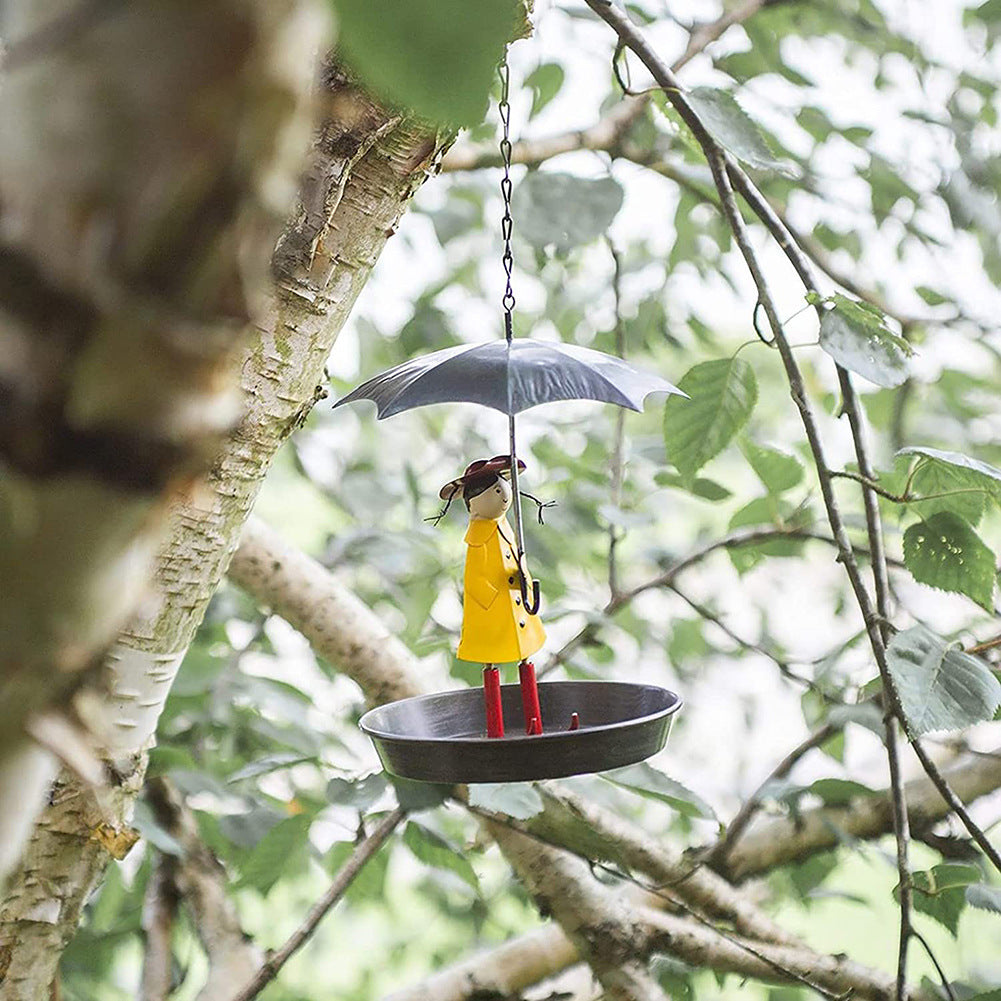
x: 507, y: 301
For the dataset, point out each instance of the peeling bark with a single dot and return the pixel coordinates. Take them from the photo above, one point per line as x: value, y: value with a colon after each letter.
x: 340, y: 627
x: 365, y: 166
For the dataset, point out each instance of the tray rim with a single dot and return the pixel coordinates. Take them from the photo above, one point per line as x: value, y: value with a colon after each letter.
x: 495, y: 741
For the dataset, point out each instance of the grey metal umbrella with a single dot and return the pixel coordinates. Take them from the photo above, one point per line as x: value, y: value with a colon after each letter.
x: 509, y: 376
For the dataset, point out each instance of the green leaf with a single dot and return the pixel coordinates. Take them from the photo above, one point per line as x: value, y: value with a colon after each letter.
x: 778, y: 471
x: 855, y: 336
x: 768, y: 511
x: 435, y: 851
x: 707, y: 489
x: 839, y: 792
x: 931, y: 296
x: 687, y: 641
x: 989, y: 12
x: 370, y: 883
x: 722, y: 395
x: 361, y: 793
x: 807, y: 875
x: 199, y: 672
x: 274, y: 852
x: 945, y: 553
x: 984, y: 897
x: 267, y: 764
x: 414, y: 796
x: 940, y: 688
x: 516, y: 799
x: 940, y: 892
x: 436, y: 57
x: 944, y: 470
x: 674, y: 977
x: 545, y: 82
x: 947, y: 487
x: 645, y: 780
x: 727, y: 122
x: 563, y: 210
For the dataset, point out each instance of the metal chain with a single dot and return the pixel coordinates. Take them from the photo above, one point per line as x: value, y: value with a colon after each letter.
x: 529, y: 588
x: 506, y: 222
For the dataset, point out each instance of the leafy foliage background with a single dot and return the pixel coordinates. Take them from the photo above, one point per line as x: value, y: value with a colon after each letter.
x: 873, y: 126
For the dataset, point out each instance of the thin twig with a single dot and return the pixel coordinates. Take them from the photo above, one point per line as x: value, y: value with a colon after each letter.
x: 985, y: 646
x: 718, y: 853
x: 732, y: 540
x: 870, y: 483
x: 616, y: 532
x: 942, y: 785
x: 781, y: 663
x: 344, y: 878
x: 946, y: 986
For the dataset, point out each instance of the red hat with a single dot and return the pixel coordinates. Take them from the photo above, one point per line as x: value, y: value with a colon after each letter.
x: 499, y: 465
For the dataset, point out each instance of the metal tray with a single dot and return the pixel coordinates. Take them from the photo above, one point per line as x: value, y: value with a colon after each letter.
x: 442, y: 737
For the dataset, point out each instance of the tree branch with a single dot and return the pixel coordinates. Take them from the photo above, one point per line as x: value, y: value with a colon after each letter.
x: 202, y: 884
x: 790, y: 839
x: 159, y: 914
x: 340, y: 627
x: 543, y: 953
x: 365, y: 165
x: 119, y: 366
x: 500, y: 972
x: 342, y: 881
x: 941, y: 783
x: 595, y: 918
x: 605, y: 134
x: 782, y: 663
x: 592, y: 832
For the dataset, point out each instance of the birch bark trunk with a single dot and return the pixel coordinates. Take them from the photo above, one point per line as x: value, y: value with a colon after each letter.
x: 148, y: 150
x: 365, y: 166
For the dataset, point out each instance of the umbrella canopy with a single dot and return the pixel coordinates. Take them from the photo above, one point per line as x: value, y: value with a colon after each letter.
x: 509, y: 377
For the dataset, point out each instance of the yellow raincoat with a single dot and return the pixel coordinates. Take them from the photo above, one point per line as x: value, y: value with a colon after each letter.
x: 495, y: 626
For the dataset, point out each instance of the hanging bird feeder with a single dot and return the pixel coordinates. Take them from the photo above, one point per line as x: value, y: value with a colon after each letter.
x: 569, y: 727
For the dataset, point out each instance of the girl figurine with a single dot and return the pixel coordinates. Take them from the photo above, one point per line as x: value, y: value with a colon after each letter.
x: 496, y: 627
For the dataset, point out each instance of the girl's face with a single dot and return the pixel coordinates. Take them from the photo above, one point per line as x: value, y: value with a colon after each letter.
x: 492, y: 503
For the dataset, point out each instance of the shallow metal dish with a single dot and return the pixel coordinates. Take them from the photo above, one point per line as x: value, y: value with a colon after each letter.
x: 442, y: 737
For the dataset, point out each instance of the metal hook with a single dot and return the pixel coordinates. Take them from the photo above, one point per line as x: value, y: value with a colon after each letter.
x: 533, y: 608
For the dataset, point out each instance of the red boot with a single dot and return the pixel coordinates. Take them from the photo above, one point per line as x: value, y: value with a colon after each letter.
x: 492, y: 701
x: 530, y: 697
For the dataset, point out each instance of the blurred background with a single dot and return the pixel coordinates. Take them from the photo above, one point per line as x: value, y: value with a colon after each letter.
x: 885, y: 114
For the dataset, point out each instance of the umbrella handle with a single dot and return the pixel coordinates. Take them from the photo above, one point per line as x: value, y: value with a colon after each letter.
x: 532, y: 608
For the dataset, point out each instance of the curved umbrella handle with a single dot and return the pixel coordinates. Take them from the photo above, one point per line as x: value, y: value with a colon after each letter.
x: 533, y: 608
